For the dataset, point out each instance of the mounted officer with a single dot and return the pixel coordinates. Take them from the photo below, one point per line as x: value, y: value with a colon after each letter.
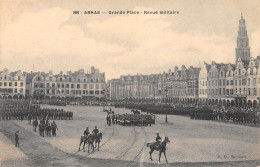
x: 95, y: 132
x: 86, y: 132
x: 158, y: 140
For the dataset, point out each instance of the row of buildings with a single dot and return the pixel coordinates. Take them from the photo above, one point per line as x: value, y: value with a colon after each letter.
x: 233, y: 83
x: 39, y: 85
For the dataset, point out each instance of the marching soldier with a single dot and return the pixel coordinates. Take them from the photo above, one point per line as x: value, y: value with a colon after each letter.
x: 16, y: 139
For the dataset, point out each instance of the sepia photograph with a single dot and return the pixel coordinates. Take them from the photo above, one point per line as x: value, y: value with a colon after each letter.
x: 130, y: 83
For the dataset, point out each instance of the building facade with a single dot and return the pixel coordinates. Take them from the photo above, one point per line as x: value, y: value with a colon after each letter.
x: 12, y: 84
x: 70, y: 85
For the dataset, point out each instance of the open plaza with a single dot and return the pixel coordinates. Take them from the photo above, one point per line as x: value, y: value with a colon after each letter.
x: 192, y: 142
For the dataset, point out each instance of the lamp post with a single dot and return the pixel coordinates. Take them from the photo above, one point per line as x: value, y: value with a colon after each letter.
x: 166, y: 119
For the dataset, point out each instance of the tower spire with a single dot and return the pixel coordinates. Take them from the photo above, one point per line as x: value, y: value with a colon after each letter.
x: 242, y: 50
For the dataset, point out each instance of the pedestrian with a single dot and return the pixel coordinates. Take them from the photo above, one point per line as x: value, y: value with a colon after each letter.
x: 17, y: 139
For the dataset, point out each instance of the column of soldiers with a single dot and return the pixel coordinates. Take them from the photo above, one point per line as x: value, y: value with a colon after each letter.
x: 21, y: 109
x: 235, y: 114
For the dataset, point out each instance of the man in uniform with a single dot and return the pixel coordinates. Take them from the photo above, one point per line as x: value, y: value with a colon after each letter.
x: 86, y: 132
x: 158, y: 140
x: 95, y: 131
x: 16, y: 139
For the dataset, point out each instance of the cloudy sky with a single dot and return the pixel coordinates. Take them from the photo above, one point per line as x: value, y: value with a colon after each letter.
x: 47, y: 35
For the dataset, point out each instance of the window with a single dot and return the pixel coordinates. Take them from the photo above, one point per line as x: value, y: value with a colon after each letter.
x: 67, y: 85
x: 15, y: 84
x: 97, y: 86
x: 21, y: 90
x: 239, y: 72
x: 0, y: 83
x: 231, y: 82
x: 239, y: 82
x: 15, y: 90
x: 229, y: 73
x: 60, y: 79
x: 72, y: 86
x: 236, y: 82
x: 248, y: 91
x: 254, y: 81
x: 96, y: 79
x: 67, y: 91
x: 231, y: 92
x: 48, y: 91
x: 19, y: 78
x: 78, y: 80
x: 227, y: 82
x: 255, y: 91
x: 219, y: 82
x: 78, y: 86
x: 224, y: 91
x: 227, y: 91
x: 21, y: 83
x: 62, y: 85
x: 53, y: 85
x: 48, y: 85
x: 10, y: 83
x: 248, y: 81
x: 58, y: 85
x: 90, y: 86
x: 243, y: 82
x: 85, y: 86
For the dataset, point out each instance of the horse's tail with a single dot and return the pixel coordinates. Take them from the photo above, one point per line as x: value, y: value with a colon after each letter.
x: 148, y: 144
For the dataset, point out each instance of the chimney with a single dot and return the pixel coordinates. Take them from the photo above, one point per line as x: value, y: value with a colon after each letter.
x: 68, y: 72
x: 50, y: 72
x: 61, y: 73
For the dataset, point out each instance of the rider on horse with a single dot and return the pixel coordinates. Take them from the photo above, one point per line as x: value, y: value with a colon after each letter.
x: 86, y: 132
x: 95, y: 131
x: 158, y: 140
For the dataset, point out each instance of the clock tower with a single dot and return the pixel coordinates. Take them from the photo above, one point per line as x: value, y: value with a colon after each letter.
x: 242, y: 50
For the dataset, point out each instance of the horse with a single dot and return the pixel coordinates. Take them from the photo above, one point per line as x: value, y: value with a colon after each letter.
x: 161, y: 148
x: 83, y: 139
x: 97, y: 139
x: 90, y: 141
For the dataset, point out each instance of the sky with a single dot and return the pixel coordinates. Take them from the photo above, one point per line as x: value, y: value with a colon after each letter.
x: 46, y: 35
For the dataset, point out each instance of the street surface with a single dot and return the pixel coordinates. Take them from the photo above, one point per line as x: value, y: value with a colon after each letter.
x: 193, y: 142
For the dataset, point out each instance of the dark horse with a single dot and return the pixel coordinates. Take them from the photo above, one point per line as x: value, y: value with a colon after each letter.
x: 90, y: 141
x: 97, y: 139
x: 83, y: 139
x: 161, y: 148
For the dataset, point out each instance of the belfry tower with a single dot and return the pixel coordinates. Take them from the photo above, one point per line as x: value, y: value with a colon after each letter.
x: 242, y: 50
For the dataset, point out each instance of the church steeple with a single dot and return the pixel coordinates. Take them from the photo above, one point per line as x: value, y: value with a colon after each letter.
x: 242, y: 50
